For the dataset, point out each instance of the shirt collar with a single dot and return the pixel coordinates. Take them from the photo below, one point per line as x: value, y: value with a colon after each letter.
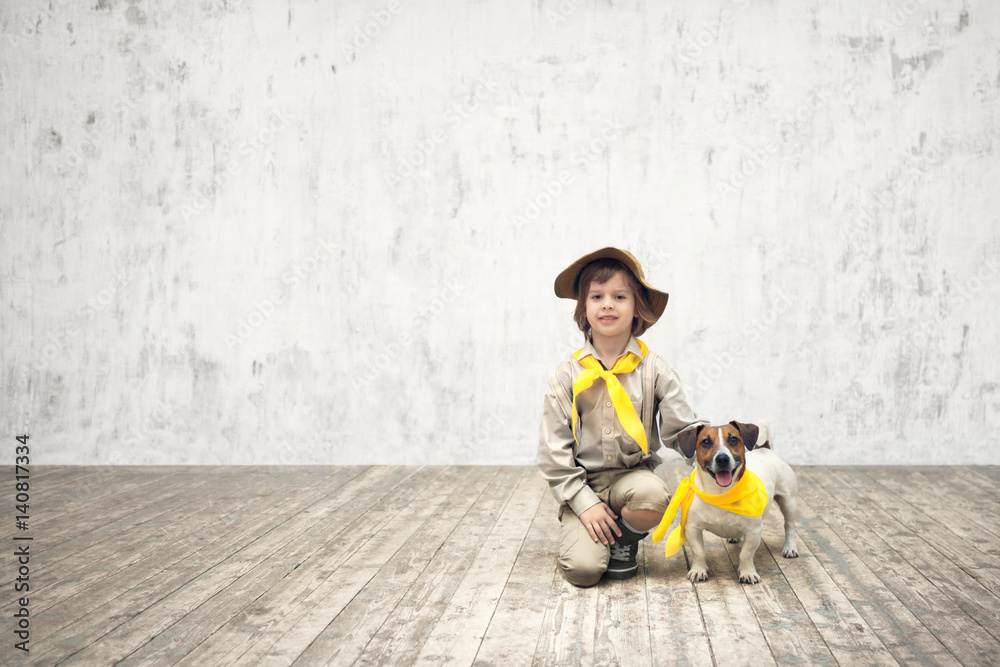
x: 633, y: 346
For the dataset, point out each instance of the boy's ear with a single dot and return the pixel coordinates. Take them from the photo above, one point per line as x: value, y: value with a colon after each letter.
x: 688, y: 440
x: 748, y: 432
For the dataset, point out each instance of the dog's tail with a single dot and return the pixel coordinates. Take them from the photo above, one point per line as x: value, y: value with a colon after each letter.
x: 763, y: 435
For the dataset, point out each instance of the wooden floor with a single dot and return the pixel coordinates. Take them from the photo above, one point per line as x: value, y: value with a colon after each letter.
x: 456, y: 566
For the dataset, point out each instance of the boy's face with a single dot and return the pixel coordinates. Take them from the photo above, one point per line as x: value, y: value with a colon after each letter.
x: 610, y: 308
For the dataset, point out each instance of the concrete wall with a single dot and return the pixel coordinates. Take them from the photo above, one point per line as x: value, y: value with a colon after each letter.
x: 326, y: 232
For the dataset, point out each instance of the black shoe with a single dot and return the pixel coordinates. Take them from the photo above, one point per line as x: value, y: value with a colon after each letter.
x: 622, y: 564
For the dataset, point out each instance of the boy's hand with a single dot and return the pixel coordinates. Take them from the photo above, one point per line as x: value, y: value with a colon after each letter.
x: 600, y: 523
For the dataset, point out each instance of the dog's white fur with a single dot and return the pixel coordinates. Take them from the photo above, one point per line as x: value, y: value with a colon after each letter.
x: 776, y: 475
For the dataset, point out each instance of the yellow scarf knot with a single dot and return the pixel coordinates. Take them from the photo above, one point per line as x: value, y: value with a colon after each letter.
x: 747, y: 497
x: 619, y: 397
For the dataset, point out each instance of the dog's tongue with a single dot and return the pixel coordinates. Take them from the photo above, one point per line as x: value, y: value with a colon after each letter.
x: 724, y: 478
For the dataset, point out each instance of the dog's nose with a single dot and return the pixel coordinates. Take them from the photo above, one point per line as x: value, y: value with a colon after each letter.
x: 722, y: 460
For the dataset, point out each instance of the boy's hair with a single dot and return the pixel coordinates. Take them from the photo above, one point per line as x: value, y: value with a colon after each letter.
x: 601, y: 271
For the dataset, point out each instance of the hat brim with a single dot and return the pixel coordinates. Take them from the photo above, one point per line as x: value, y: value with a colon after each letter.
x: 567, y: 282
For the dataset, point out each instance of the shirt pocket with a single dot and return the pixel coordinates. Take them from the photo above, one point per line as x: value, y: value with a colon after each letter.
x: 630, y: 449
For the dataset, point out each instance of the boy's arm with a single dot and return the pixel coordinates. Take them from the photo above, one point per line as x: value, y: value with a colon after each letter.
x: 556, y: 461
x: 675, y: 413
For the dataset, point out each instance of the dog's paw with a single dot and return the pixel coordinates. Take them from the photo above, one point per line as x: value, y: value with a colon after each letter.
x: 790, y: 552
x: 749, y: 577
x: 697, y: 575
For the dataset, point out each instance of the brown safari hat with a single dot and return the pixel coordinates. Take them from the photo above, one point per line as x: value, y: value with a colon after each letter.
x: 567, y: 282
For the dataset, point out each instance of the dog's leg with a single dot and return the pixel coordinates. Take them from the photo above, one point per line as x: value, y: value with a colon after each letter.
x: 695, y: 540
x: 751, y: 540
x: 789, y: 510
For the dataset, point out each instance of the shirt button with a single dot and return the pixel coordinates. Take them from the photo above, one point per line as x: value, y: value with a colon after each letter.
x: 607, y: 430
x: 609, y: 458
x: 608, y: 404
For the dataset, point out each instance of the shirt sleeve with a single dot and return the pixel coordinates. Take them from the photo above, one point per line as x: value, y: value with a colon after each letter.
x: 675, y: 413
x: 556, y: 460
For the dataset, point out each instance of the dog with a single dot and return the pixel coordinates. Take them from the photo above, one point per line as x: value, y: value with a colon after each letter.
x: 724, y: 453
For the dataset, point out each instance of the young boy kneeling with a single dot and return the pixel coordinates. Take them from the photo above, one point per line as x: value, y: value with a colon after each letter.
x: 595, y: 450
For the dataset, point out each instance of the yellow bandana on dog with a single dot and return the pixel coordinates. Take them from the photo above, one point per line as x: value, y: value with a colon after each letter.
x: 619, y: 397
x: 747, y: 497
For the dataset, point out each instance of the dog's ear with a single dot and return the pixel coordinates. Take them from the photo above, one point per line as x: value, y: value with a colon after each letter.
x: 688, y: 440
x: 748, y: 432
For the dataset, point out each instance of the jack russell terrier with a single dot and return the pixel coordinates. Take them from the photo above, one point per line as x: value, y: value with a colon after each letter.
x: 735, y: 477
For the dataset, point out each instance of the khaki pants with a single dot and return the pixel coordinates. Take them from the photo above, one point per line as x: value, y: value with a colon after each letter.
x: 581, y: 559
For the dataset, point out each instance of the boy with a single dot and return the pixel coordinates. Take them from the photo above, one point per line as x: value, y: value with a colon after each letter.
x: 594, y: 450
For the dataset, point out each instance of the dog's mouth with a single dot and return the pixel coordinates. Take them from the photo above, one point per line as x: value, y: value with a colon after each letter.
x: 725, y: 478
x: 722, y: 477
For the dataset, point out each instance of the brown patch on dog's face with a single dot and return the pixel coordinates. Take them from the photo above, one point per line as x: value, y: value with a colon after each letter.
x: 721, y: 452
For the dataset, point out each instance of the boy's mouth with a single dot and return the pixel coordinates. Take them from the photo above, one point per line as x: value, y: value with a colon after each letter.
x: 608, y: 318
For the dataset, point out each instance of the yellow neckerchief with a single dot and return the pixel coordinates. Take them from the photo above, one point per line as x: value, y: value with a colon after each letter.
x: 619, y: 397
x: 747, y: 497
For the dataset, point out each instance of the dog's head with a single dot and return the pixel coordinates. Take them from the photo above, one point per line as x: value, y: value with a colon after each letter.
x: 720, y: 450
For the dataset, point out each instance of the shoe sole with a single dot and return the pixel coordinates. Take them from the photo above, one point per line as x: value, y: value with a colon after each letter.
x: 619, y: 575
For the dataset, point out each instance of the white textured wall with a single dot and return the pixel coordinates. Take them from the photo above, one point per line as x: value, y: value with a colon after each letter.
x: 222, y: 220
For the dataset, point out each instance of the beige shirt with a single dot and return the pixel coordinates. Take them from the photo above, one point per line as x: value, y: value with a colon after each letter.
x: 603, y: 441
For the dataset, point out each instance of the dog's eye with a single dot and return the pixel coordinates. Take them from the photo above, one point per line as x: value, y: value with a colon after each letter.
x: 733, y: 440
x: 707, y: 442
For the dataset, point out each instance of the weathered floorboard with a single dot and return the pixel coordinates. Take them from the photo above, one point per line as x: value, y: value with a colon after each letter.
x: 457, y: 566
